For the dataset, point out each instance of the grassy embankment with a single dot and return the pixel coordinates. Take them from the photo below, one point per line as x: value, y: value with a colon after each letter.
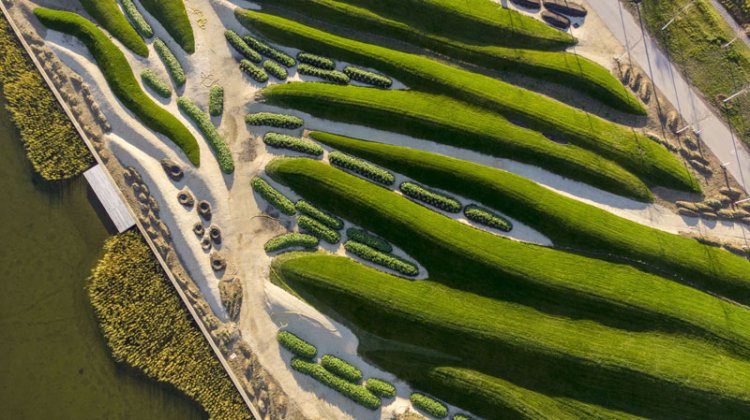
x: 616, y: 142
x: 445, y: 120
x: 569, y: 223
x: 552, y: 280
x: 120, y: 78
x: 52, y: 144
x: 146, y: 326
x: 173, y: 16
x: 558, y: 67
x: 739, y: 9
x: 107, y: 13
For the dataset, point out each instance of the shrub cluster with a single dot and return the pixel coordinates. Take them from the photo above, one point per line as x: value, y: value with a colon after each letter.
x: 173, y: 66
x: 108, y: 15
x: 432, y: 198
x: 356, y: 393
x: 341, y: 368
x: 326, y: 218
x: 271, y: 119
x: 275, y: 70
x: 318, y: 229
x: 380, y: 258
x: 253, y: 71
x: 289, y: 240
x: 371, y: 78
x: 381, y: 388
x: 174, y: 18
x: 296, y: 144
x: 269, y: 51
x: 324, y: 63
x: 487, y: 218
x: 333, y: 76
x: 273, y: 196
x: 136, y: 18
x: 216, y: 101
x: 429, y: 405
x: 362, y: 236
x: 156, y: 84
x: 361, y: 167
x: 461, y: 417
x: 217, y: 142
x: 241, y: 47
x: 296, y: 345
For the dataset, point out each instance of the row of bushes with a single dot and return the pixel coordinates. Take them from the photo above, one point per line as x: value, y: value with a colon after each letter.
x: 318, y: 229
x: 356, y: 393
x: 381, y: 388
x: 291, y: 240
x: 365, y: 237
x: 253, y: 71
x: 380, y: 258
x: 341, y: 368
x: 176, y: 72
x: 371, y: 78
x: 217, y: 142
x: 296, y: 144
x: 429, y: 405
x: 272, y: 119
x: 137, y: 19
x: 109, y: 16
x: 333, y: 76
x: 333, y: 222
x: 216, y: 101
x: 360, y: 167
x: 152, y: 80
x: 324, y: 63
x: 275, y: 70
x: 173, y: 17
x: 241, y: 47
x: 487, y: 218
x: 273, y: 196
x: 269, y: 51
x: 296, y: 345
x: 430, y: 197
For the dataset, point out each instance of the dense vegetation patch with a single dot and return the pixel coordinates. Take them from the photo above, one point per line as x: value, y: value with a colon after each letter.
x: 318, y: 229
x: 255, y: 72
x: 273, y: 196
x: 108, y: 14
x: 291, y: 240
x: 137, y: 19
x: 361, y: 167
x: 333, y: 222
x: 487, y: 217
x: 271, y: 52
x: 152, y: 80
x: 356, y: 393
x: 341, y: 368
x: 381, y: 258
x: 216, y: 101
x: 367, y: 238
x: 296, y: 144
x: 429, y: 405
x: 275, y: 70
x: 174, y: 68
x: 381, y: 388
x: 241, y: 47
x: 290, y: 122
x: 173, y: 16
x: 435, y: 199
x: 324, y: 63
x: 333, y: 76
x: 217, y: 142
x: 368, y: 77
x: 296, y: 345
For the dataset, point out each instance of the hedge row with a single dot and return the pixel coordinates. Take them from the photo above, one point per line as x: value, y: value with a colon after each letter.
x: 216, y: 101
x: 333, y: 222
x: 333, y: 76
x: 430, y: 197
x: 381, y: 388
x: 269, y: 51
x: 356, y: 393
x: 156, y: 84
x: 137, y: 19
x: 342, y: 369
x: 290, y: 240
x: 253, y: 71
x: 173, y: 17
x: 217, y: 142
x: 461, y: 417
x: 380, y: 258
x: 273, y: 196
x: 361, y: 167
x: 318, y: 229
x: 487, y: 218
x: 176, y: 72
x: 429, y: 405
x: 241, y: 47
x: 109, y: 16
x: 275, y: 70
x: 367, y: 238
x: 271, y: 119
x: 371, y: 78
x: 296, y: 144
x: 296, y: 345
x: 324, y: 63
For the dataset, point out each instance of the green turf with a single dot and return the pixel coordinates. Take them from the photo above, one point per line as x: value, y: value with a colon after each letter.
x: 107, y: 13
x: 120, y: 78
x: 173, y: 16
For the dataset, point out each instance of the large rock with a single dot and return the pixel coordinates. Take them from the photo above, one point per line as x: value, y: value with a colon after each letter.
x: 218, y: 263
x: 215, y: 234
x: 186, y: 198
x: 204, y: 209
x: 173, y: 170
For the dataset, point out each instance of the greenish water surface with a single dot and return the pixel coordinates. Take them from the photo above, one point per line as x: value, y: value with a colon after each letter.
x: 54, y: 364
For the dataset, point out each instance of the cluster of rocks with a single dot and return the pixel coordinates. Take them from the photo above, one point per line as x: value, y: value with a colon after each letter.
x: 721, y: 207
x: 148, y: 206
x: 637, y: 82
x: 743, y: 251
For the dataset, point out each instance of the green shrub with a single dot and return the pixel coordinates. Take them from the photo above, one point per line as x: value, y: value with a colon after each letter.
x: 341, y: 368
x: 173, y: 16
x: 108, y: 14
x: 487, y: 218
x: 381, y: 388
x: 217, y: 142
x: 430, y: 197
x: 356, y: 393
x: 275, y: 70
x: 324, y: 63
x: 367, y: 238
x: 428, y: 405
x: 271, y: 119
x: 333, y: 222
x: 376, y: 257
x: 371, y: 78
x: 290, y: 240
x: 174, y: 68
x: 461, y: 417
x: 318, y: 229
x: 273, y: 196
x: 333, y: 76
x: 156, y: 84
x: 296, y: 144
x: 361, y: 167
x: 296, y: 345
x: 241, y: 47
x: 216, y: 101
x: 120, y: 78
x: 269, y: 51
x: 137, y: 19
x: 253, y: 71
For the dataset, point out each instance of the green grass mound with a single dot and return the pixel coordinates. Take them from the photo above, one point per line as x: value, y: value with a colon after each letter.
x: 333, y: 76
x: 270, y: 119
x: 364, y: 237
x: 487, y: 217
x: 153, y: 81
x: 318, y: 229
x: 216, y: 101
x: 375, y: 256
x: 136, y: 18
x: 255, y: 72
x: 273, y: 196
x: 173, y: 16
x: 275, y: 70
x: 174, y: 68
x: 380, y: 387
x: 356, y: 393
x: 296, y: 345
x: 309, y: 209
x: 341, y: 368
x: 120, y: 78
x: 296, y: 144
x: 241, y: 47
x: 291, y: 240
x: 324, y: 63
x: 271, y: 52
x: 107, y: 13
x: 361, y: 167
x: 429, y: 405
x: 432, y: 198
x: 215, y: 139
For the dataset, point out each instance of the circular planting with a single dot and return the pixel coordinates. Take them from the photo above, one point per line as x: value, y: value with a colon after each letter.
x: 185, y: 198
x: 215, y: 233
x: 173, y: 170
x: 206, y: 245
x: 198, y: 229
x: 218, y: 262
x: 204, y: 209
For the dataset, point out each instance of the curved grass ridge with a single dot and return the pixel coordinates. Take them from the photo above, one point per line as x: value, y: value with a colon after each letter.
x: 215, y: 140
x: 569, y: 223
x: 651, y: 161
x: 107, y: 13
x: 173, y: 16
x: 489, y: 264
x: 120, y: 78
x: 445, y: 120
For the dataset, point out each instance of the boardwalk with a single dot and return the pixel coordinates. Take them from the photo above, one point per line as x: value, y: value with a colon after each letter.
x: 108, y: 194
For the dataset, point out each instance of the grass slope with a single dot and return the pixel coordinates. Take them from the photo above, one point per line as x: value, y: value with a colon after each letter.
x: 108, y: 14
x: 616, y: 142
x: 120, y: 78
x: 173, y: 16
x: 444, y: 120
